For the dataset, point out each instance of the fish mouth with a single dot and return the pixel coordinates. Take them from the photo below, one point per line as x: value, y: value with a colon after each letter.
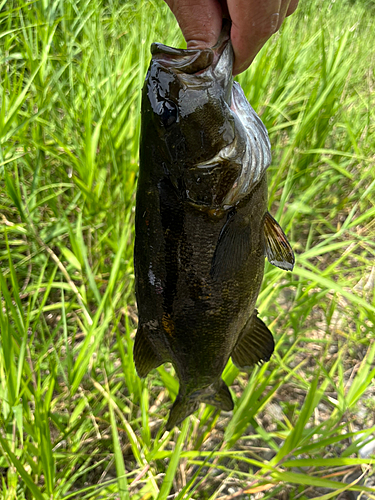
x: 188, y: 61
x: 193, y: 61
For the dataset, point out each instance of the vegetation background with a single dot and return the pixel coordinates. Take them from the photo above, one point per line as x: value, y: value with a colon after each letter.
x: 75, y: 420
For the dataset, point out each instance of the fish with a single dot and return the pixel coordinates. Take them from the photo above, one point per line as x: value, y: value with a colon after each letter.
x: 202, y: 227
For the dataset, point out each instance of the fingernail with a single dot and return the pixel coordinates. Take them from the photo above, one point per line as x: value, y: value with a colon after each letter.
x: 274, y: 21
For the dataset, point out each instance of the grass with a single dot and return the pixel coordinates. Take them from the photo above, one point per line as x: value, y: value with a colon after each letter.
x: 75, y: 420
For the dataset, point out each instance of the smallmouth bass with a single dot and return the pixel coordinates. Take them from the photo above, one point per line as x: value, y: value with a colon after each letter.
x: 202, y: 225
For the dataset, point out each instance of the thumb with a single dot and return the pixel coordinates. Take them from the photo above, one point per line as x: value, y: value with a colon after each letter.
x: 200, y: 21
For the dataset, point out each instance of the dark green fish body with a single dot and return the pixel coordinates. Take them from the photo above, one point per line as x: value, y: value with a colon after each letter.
x: 201, y: 225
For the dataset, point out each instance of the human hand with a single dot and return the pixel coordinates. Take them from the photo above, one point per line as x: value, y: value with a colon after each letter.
x: 253, y: 23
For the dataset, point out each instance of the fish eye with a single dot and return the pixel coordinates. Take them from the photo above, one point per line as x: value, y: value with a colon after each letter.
x: 168, y: 113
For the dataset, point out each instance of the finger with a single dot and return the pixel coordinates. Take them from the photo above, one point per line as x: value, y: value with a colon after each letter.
x: 292, y: 7
x: 283, y: 10
x: 287, y: 8
x: 200, y: 21
x: 253, y: 23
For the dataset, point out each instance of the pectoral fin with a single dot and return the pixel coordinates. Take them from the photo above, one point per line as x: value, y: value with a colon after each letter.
x: 145, y: 358
x: 233, y: 247
x: 256, y: 344
x: 278, y: 249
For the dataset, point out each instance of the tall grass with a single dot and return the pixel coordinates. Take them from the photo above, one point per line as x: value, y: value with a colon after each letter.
x: 75, y: 420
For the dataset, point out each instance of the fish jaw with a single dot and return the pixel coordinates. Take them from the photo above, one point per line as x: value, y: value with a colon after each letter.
x: 219, y: 58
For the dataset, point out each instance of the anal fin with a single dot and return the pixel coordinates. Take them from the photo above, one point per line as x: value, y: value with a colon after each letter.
x: 255, y: 345
x: 145, y: 357
x: 278, y: 249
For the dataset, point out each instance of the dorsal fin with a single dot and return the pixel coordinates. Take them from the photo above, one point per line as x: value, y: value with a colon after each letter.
x: 145, y: 358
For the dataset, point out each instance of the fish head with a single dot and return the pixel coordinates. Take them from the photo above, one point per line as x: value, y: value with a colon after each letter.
x: 187, y: 98
x: 188, y: 110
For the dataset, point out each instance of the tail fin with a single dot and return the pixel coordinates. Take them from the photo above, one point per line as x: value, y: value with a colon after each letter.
x: 217, y: 395
x: 182, y: 408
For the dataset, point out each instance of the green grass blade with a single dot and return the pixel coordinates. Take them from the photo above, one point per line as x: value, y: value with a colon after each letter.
x: 173, y: 463
x: 21, y: 471
x: 122, y: 482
